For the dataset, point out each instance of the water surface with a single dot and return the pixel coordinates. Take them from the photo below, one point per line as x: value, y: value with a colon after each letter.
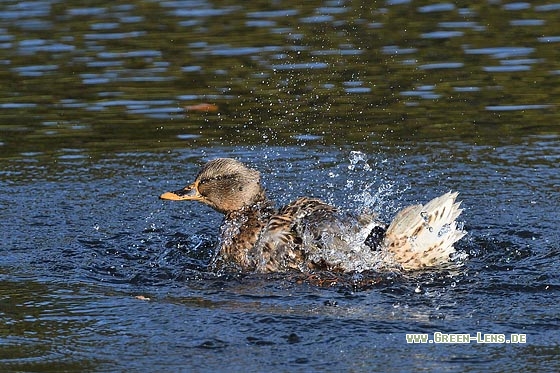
x: 381, y: 104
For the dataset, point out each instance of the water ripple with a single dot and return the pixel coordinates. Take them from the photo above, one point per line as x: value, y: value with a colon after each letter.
x: 501, y: 52
x: 516, y: 107
x: 301, y: 66
x: 441, y: 7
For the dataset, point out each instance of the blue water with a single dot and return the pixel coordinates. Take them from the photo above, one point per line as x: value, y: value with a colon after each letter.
x: 102, y: 275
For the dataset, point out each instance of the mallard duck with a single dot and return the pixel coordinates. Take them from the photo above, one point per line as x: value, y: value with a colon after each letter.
x: 309, y: 234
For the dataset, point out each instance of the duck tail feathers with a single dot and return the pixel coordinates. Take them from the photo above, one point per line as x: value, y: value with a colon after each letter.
x: 422, y: 236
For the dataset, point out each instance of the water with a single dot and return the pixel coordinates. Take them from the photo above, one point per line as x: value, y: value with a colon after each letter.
x: 379, y: 107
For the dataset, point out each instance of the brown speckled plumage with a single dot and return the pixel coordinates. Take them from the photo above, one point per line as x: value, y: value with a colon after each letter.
x: 309, y: 234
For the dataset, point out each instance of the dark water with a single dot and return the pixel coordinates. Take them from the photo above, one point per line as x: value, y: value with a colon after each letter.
x: 385, y: 103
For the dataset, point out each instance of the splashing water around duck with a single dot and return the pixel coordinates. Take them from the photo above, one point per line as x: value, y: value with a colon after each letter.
x: 309, y: 234
x: 369, y: 187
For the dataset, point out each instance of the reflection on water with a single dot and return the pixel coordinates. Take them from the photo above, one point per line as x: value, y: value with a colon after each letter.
x: 104, y: 74
x: 39, y: 324
x: 104, y: 105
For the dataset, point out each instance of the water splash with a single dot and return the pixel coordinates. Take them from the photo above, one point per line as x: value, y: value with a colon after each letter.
x: 357, y: 158
x: 370, y: 188
x: 343, y: 243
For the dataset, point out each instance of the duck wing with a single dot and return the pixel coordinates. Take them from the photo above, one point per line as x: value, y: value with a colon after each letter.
x: 309, y: 234
x: 281, y: 244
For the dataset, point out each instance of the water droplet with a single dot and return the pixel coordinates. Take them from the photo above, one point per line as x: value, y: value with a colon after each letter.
x: 446, y: 228
x: 355, y: 158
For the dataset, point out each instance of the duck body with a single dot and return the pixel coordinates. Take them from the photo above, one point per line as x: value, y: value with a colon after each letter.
x: 309, y: 234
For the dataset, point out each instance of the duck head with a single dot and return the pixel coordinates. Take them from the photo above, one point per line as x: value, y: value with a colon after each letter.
x: 224, y: 184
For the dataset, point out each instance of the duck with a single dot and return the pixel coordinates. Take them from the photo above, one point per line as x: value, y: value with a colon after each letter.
x: 310, y: 235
